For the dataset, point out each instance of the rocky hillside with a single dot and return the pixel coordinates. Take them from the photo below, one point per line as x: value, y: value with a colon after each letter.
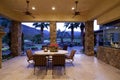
x: 29, y: 32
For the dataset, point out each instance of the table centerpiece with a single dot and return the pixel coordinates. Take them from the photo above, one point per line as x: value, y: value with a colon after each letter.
x: 53, y: 47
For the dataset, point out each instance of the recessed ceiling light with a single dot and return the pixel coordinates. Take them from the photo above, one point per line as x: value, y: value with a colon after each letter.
x: 33, y: 8
x: 53, y: 8
x: 73, y: 8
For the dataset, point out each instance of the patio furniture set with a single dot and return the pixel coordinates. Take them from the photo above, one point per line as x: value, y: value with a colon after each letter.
x: 44, y: 59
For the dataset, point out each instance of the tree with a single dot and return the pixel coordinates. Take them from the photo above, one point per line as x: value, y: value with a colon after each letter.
x: 82, y: 26
x: 4, y: 23
x: 62, y: 34
x: 37, y: 39
x: 72, y: 25
x: 6, y: 39
x: 41, y: 25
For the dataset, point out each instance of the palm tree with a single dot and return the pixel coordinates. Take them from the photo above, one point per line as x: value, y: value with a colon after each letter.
x: 41, y: 25
x: 72, y: 25
x: 82, y: 26
x: 62, y: 35
x: 37, y: 38
x: 4, y: 23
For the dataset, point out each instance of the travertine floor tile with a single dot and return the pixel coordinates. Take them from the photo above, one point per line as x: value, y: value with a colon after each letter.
x: 85, y: 68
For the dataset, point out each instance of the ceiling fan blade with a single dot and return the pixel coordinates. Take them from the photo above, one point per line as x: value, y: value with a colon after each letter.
x: 19, y: 11
x: 73, y: 16
x: 27, y: 12
x: 32, y: 16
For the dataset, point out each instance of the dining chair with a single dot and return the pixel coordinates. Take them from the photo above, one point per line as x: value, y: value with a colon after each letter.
x: 29, y: 55
x: 65, y: 47
x: 58, y: 60
x: 44, y: 46
x: 70, y: 57
x: 40, y: 61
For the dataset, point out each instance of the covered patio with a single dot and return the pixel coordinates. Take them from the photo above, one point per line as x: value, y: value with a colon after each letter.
x: 87, y: 66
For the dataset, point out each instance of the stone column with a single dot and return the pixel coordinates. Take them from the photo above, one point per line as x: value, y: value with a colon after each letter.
x: 89, y: 38
x: 16, y: 40
x: 52, y: 32
x: 1, y: 35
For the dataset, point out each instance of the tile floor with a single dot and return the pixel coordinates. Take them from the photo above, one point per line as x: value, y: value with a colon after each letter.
x: 85, y: 68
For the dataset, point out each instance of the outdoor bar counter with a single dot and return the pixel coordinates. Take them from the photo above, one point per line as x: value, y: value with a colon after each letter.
x: 109, y: 55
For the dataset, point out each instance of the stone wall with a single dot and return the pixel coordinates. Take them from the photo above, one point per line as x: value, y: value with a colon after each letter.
x: 109, y: 55
x: 16, y: 39
x: 89, y: 38
x: 52, y: 32
x: 1, y: 35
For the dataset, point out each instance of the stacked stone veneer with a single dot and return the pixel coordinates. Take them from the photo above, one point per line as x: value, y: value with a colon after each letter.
x: 16, y: 39
x: 1, y: 35
x: 89, y: 38
x: 52, y: 32
x: 109, y: 55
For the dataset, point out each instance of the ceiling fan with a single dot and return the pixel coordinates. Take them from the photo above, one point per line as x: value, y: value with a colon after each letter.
x: 75, y: 10
x: 27, y: 12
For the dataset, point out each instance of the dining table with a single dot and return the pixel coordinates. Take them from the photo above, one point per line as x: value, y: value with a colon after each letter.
x: 49, y: 53
x: 51, y: 57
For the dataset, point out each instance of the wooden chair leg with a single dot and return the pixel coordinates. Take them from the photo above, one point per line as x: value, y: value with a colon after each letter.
x: 34, y: 70
x: 28, y: 61
x: 46, y: 70
x: 64, y: 70
x: 52, y: 70
x: 72, y: 63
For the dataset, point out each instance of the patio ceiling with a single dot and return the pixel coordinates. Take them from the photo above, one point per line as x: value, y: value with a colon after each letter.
x: 89, y: 9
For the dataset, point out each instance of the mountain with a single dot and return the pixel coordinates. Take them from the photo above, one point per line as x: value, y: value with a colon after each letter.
x: 76, y: 33
x: 30, y: 32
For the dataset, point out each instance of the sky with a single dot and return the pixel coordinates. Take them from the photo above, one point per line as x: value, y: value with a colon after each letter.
x: 60, y: 26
